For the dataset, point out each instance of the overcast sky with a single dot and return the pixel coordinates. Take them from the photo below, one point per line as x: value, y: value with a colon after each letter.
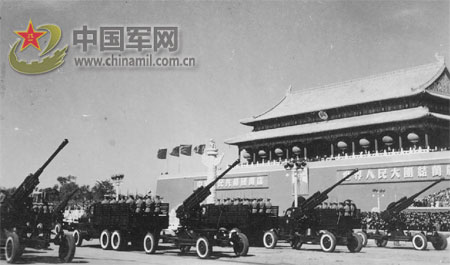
x: 247, y: 54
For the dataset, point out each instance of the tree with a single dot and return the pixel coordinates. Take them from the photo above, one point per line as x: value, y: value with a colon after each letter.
x: 102, y: 188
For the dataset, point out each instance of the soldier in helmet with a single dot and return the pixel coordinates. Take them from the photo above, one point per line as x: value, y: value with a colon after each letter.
x: 139, y: 204
x: 261, y: 205
x: 236, y: 201
x: 254, y: 205
x: 268, y: 206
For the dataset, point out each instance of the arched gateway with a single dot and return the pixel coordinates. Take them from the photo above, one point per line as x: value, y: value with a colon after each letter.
x: 394, y: 127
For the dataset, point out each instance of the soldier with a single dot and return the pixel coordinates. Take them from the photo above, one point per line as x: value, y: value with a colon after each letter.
x: 157, y: 203
x: 236, y: 201
x: 139, y: 204
x: 352, y: 208
x: 347, y: 208
x: 262, y: 205
x: 246, y: 202
x: 268, y: 206
x: 113, y: 201
x: 254, y: 206
x: 341, y: 209
x: 148, y: 204
x: 217, y: 202
x: 122, y: 199
x: 333, y: 206
x: 227, y: 201
x: 130, y: 200
x: 105, y: 201
x: 325, y: 205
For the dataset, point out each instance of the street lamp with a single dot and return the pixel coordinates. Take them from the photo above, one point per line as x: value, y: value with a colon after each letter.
x: 378, y: 193
x: 117, y: 179
x: 294, y: 165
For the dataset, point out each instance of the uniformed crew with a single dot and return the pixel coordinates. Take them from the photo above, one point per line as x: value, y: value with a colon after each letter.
x: 130, y: 200
x: 268, y: 206
x: 148, y: 204
x: 262, y: 205
x: 347, y: 208
x: 246, y: 202
x: 157, y: 204
x: 139, y: 204
x: 236, y: 201
x: 254, y: 205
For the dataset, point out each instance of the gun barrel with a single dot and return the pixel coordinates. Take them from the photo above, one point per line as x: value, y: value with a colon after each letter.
x: 353, y: 172
x: 60, y: 147
x: 212, y: 183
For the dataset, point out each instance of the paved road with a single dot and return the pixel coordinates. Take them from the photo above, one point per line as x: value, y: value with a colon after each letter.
x: 91, y: 253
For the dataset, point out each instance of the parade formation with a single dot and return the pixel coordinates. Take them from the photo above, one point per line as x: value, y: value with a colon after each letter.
x: 144, y: 223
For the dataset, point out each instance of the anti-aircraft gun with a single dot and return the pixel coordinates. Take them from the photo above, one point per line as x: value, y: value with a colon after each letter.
x: 58, y: 211
x: 308, y: 223
x: 23, y: 226
x: 395, y: 226
x: 196, y: 230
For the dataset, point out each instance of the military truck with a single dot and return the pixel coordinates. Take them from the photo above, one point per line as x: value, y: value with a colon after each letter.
x: 308, y: 224
x: 25, y: 226
x: 116, y: 225
x: 395, y: 228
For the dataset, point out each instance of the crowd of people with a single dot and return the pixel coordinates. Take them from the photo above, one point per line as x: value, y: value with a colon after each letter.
x: 437, y: 199
x: 258, y: 205
x: 423, y: 221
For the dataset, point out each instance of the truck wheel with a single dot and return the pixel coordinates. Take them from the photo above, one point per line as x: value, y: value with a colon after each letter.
x: 364, y: 237
x: 105, y: 239
x: 149, y: 243
x: 440, y: 243
x: 66, y: 248
x: 381, y: 242
x: 12, y: 247
x: 355, y: 243
x: 58, y: 228
x: 270, y: 239
x: 118, y: 241
x: 328, y: 242
x: 241, y: 246
x: 204, y: 249
x: 77, y: 237
x: 419, y: 242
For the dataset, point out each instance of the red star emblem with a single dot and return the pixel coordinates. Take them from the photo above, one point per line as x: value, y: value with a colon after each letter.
x: 30, y: 37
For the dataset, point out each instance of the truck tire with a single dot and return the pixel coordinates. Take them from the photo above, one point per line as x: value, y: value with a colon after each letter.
x: 440, y: 243
x: 58, y: 228
x: 240, y: 247
x: 270, y: 239
x: 327, y: 242
x: 67, y: 248
x: 364, y: 237
x: 105, y: 239
x: 149, y: 243
x: 204, y: 248
x: 118, y: 241
x: 12, y: 247
x: 77, y: 237
x: 419, y: 241
x: 355, y: 243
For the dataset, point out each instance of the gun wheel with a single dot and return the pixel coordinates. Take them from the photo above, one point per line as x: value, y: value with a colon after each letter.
x: 77, y: 237
x: 149, y: 243
x: 328, y: 242
x: 355, y: 243
x: 381, y: 242
x: 241, y: 246
x: 12, y: 248
x: 419, y: 242
x: 67, y: 247
x: 105, y: 239
x: 270, y: 239
x: 440, y: 243
x: 204, y: 248
x: 364, y: 237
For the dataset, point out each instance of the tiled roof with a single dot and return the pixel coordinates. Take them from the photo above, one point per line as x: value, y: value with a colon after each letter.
x: 364, y: 120
x: 397, y: 84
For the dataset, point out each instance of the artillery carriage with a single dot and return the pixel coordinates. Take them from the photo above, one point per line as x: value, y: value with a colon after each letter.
x: 307, y: 224
x: 396, y: 228
x: 203, y: 230
x: 25, y: 226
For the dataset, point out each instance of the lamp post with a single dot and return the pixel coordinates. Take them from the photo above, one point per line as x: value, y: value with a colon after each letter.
x: 117, y: 179
x: 378, y: 193
x: 294, y: 165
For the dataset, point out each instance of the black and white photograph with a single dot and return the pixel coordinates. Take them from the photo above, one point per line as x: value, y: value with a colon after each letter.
x: 225, y: 132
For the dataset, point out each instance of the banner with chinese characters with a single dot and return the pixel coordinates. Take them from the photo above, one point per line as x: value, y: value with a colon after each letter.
x: 244, y: 182
x: 395, y: 174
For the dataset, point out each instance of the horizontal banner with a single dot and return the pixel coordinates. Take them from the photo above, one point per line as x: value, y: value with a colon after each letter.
x: 247, y: 182
x: 404, y: 173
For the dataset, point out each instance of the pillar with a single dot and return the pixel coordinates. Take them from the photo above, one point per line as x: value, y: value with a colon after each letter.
x: 400, y: 144
x: 305, y: 151
x: 211, y: 160
x: 270, y: 154
x: 287, y: 153
x: 427, y: 145
x: 376, y: 145
x: 353, y: 147
x: 332, y: 149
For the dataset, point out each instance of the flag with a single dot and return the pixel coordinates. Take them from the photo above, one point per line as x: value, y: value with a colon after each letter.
x: 186, y: 149
x: 199, y: 149
x: 162, y: 154
x: 175, y: 151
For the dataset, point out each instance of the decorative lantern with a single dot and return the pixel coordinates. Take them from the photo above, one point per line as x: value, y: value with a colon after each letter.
x: 296, y: 150
x: 388, y: 141
x: 245, y: 154
x: 342, y: 146
x: 279, y: 152
x: 262, y: 154
x: 413, y: 138
x: 364, y: 143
